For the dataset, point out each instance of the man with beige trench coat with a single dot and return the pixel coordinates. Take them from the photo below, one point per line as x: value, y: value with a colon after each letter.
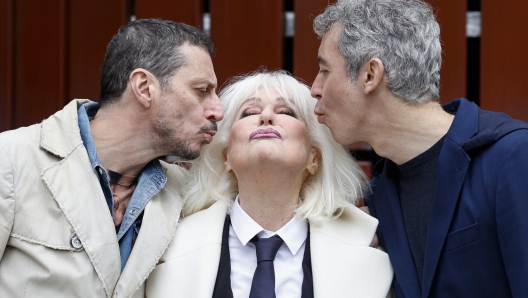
x: 86, y: 208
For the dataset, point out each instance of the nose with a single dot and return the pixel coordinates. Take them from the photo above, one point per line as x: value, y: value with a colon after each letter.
x: 317, y: 87
x: 215, y: 112
x: 267, y: 117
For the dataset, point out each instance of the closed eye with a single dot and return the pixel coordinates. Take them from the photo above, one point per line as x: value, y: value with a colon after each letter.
x: 248, y: 112
x: 289, y: 112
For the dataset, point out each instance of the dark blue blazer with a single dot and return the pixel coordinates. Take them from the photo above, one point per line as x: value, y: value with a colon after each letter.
x: 477, y: 239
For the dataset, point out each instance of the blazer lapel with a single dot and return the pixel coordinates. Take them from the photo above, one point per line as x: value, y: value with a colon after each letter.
x: 453, y: 165
x: 77, y: 191
x: 157, y: 231
x: 222, y: 287
x: 392, y: 231
x: 307, y: 285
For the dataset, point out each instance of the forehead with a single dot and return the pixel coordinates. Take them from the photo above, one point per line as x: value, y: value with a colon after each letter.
x: 328, y: 54
x: 198, y: 65
x: 267, y: 96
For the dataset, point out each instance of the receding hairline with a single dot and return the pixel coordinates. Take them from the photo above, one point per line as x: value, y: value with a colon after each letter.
x: 196, y: 79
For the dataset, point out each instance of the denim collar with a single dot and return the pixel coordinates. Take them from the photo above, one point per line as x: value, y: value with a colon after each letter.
x: 150, y: 181
x: 84, y: 113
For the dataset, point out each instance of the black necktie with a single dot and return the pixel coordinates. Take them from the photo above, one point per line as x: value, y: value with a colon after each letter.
x: 263, y: 285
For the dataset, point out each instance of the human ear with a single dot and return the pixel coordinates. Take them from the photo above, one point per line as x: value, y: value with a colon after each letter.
x: 226, y: 162
x: 372, y: 73
x: 314, y: 161
x: 144, y: 86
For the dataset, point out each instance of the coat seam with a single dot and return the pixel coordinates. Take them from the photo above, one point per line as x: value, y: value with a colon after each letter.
x: 50, y: 245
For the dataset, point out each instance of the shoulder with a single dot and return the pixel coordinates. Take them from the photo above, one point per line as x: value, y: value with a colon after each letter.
x: 508, y: 148
x: 176, y: 176
x: 198, y: 230
x: 21, y: 137
x: 353, y: 227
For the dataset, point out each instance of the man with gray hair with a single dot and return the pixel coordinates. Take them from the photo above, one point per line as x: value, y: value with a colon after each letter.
x: 86, y: 207
x: 451, y: 190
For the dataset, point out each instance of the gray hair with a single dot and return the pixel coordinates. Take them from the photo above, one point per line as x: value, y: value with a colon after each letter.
x: 152, y: 44
x: 403, y: 34
x: 338, y: 183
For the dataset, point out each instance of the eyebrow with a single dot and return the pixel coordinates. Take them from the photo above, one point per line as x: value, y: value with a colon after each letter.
x: 258, y: 99
x: 199, y: 81
x: 321, y: 60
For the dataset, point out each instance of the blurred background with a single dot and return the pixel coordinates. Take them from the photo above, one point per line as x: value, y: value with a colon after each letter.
x: 51, y: 51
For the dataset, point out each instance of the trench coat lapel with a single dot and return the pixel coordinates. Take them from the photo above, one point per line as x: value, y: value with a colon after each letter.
x: 77, y: 191
x: 157, y: 231
x: 452, y: 168
x: 392, y: 231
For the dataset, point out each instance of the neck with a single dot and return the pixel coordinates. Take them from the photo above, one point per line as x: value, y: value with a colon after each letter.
x: 271, y: 201
x: 406, y: 131
x: 122, y: 144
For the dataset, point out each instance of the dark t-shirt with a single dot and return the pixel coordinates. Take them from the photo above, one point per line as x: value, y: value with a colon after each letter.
x: 416, y: 184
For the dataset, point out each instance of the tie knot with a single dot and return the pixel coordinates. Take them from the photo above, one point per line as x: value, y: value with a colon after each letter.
x: 267, y: 247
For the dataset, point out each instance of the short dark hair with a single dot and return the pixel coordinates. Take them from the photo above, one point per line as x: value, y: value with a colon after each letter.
x: 152, y: 44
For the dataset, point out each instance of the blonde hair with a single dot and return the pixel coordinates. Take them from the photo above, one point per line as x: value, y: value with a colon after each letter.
x: 338, y: 182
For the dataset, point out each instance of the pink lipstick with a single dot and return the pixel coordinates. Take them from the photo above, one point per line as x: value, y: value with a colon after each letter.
x: 269, y: 133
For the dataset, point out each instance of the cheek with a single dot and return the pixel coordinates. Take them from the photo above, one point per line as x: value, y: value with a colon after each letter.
x: 302, y: 135
x: 236, y: 133
x: 236, y: 137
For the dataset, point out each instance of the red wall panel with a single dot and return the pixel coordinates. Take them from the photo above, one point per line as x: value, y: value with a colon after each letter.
x: 247, y: 35
x: 92, y: 25
x: 186, y: 11
x: 305, y: 41
x: 504, y: 57
x: 451, y: 15
x: 39, y: 80
x: 6, y: 65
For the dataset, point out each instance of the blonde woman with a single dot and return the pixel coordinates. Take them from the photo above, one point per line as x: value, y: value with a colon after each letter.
x: 269, y: 210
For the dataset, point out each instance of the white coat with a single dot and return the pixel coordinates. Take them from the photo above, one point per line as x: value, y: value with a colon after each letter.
x: 343, y: 263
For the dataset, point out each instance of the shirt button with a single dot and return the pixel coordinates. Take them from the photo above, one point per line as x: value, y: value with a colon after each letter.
x: 100, y: 171
x: 76, y: 242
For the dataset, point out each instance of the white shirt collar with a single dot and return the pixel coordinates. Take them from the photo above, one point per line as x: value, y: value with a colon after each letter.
x: 293, y: 232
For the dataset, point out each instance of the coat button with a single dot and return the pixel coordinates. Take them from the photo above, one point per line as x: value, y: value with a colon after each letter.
x: 76, y: 242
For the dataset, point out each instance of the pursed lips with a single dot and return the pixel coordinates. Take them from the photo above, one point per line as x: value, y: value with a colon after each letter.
x: 265, y: 133
x: 210, y: 134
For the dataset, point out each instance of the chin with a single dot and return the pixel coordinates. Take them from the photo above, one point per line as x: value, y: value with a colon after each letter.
x: 267, y: 155
x: 188, y: 153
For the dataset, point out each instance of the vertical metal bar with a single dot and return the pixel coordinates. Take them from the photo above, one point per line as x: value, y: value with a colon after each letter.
x: 473, y: 52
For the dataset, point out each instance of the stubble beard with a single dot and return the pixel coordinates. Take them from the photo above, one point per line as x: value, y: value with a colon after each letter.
x: 171, y: 144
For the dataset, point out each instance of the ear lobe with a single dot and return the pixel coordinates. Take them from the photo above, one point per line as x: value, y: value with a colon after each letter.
x: 226, y: 162
x: 374, y: 72
x: 144, y: 86
x: 314, y: 161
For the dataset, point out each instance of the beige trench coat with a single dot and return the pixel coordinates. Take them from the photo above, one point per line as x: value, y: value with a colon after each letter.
x: 50, y: 199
